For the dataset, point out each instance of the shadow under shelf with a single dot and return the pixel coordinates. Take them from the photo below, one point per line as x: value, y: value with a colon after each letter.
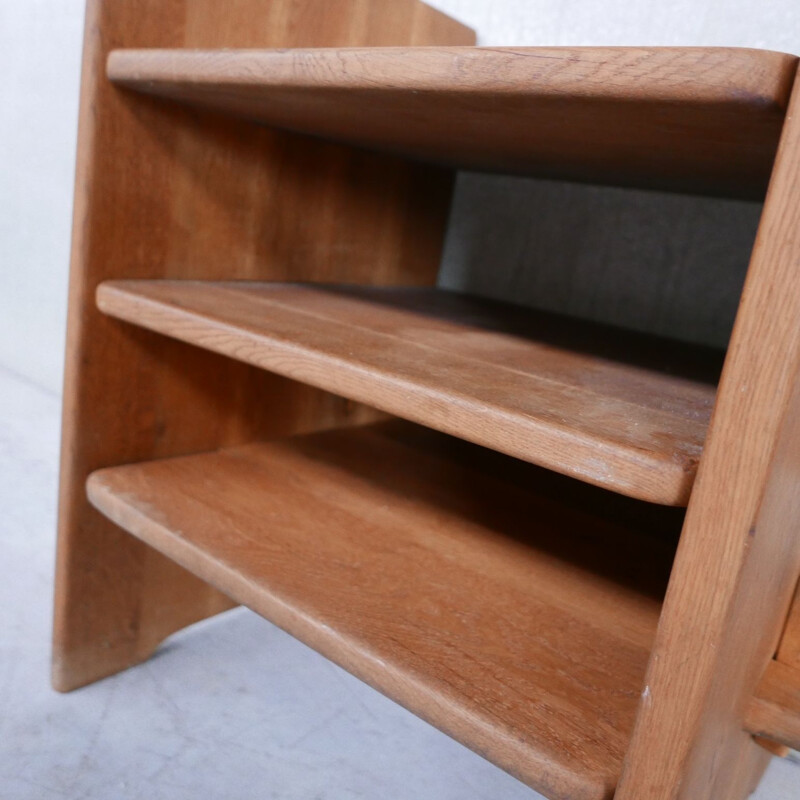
x: 509, y: 606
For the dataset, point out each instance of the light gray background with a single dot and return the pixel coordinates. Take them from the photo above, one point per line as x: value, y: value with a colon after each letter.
x: 201, y: 719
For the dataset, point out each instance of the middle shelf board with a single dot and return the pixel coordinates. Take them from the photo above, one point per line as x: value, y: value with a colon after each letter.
x: 509, y: 606
x: 623, y: 411
x: 698, y: 119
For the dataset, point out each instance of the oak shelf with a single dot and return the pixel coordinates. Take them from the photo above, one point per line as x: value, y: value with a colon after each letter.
x: 443, y: 574
x: 547, y: 622
x: 619, y: 410
x: 689, y: 119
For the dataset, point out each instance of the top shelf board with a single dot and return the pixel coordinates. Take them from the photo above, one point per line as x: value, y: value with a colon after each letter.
x: 702, y: 120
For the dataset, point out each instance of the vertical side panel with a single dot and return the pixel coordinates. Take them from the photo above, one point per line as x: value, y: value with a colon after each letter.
x: 173, y: 192
x: 739, y: 556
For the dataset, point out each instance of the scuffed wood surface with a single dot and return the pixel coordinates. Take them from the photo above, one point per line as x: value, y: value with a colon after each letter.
x: 618, y: 410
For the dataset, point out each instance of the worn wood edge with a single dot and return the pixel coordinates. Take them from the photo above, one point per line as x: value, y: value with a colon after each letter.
x: 720, y: 762
x: 657, y: 479
x: 82, y: 668
x: 774, y: 711
x: 501, y: 70
x: 412, y: 694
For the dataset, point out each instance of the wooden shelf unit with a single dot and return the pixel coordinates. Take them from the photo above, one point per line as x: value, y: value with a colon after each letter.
x: 247, y: 305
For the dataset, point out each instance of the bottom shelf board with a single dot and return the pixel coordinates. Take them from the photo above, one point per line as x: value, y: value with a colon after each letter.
x: 510, y: 607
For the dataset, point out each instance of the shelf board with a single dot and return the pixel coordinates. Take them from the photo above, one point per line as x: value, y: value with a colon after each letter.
x: 626, y: 412
x: 447, y: 576
x: 688, y: 119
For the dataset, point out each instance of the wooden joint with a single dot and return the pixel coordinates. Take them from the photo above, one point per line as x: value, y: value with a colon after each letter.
x: 774, y: 711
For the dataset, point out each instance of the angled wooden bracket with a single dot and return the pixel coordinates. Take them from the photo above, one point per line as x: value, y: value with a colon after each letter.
x: 774, y: 712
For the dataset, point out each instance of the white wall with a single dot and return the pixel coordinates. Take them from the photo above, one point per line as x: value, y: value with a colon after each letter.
x: 39, y: 59
x: 40, y: 43
x: 771, y: 24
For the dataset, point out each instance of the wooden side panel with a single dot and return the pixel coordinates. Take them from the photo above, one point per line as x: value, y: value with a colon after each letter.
x: 166, y: 192
x: 739, y: 557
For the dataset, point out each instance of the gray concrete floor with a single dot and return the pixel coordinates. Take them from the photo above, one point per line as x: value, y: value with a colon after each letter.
x: 230, y: 708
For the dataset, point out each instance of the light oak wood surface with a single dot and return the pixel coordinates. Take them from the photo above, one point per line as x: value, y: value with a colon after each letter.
x: 618, y: 410
x: 172, y: 192
x: 691, y: 119
x: 739, y: 557
x: 455, y: 580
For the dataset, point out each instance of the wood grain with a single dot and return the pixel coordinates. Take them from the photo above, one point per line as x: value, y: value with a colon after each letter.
x: 775, y: 709
x: 789, y: 649
x: 446, y: 576
x: 739, y: 557
x: 168, y: 192
x: 618, y: 410
x: 692, y: 119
